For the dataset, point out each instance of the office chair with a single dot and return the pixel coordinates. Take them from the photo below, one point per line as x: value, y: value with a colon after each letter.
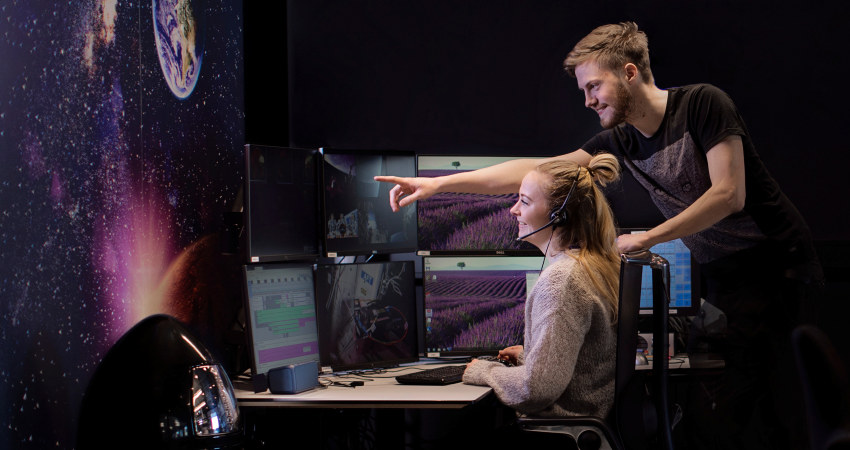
x: 633, y: 421
x: 826, y: 388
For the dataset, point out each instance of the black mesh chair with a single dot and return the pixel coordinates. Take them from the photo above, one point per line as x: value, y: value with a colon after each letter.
x: 638, y: 407
x: 826, y: 388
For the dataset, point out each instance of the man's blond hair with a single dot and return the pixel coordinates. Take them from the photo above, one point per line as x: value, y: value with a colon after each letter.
x: 612, y: 47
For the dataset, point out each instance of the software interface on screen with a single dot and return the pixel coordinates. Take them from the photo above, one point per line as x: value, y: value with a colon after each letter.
x: 683, y: 279
x: 367, y: 314
x: 282, y: 206
x: 357, y: 215
x: 454, y: 223
x: 475, y: 304
x: 281, y: 315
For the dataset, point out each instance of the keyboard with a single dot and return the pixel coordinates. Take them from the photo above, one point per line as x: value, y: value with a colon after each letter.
x: 438, y: 375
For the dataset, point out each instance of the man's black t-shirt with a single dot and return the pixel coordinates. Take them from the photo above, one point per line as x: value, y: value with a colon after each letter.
x: 672, y: 166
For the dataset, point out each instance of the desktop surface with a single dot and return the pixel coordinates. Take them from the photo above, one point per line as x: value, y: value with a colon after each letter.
x: 382, y: 391
x: 379, y: 390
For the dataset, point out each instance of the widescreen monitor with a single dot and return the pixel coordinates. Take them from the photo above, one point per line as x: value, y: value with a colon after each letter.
x: 282, y: 203
x: 280, y: 314
x: 357, y: 218
x: 684, y: 278
x: 469, y: 224
x: 367, y: 314
x: 475, y: 305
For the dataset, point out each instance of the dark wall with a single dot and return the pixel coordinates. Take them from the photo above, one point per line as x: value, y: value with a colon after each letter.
x: 485, y: 77
x: 266, y: 73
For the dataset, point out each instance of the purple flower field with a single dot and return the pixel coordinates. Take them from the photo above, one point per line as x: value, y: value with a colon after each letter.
x: 496, y: 332
x: 476, y: 310
x: 452, y: 221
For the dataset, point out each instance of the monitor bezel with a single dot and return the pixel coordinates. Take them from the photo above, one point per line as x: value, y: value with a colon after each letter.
x: 530, y: 250
x: 413, y: 322
x: 252, y: 258
x: 383, y: 249
x: 696, y: 299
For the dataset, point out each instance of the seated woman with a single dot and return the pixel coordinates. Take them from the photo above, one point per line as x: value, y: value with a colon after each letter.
x: 566, y: 367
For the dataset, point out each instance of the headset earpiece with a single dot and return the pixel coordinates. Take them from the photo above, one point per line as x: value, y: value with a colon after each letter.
x: 562, y: 215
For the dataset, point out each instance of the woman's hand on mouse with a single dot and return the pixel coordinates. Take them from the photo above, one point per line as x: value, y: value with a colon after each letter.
x: 510, y: 354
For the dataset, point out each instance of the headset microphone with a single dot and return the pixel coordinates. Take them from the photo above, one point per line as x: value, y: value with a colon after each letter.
x: 551, y: 222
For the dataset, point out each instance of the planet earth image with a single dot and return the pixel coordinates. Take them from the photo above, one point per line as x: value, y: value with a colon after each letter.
x: 180, y: 31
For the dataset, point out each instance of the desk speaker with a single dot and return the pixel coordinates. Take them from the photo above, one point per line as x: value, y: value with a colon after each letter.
x: 294, y: 378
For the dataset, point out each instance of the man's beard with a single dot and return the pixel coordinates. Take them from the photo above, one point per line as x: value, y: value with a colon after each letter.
x: 621, y: 108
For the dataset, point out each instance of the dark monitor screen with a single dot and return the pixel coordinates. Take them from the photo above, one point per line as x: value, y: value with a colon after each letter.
x: 475, y: 304
x: 456, y: 223
x: 684, y: 278
x: 281, y: 315
x: 282, y: 206
x: 367, y: 314
x: 357, y: 217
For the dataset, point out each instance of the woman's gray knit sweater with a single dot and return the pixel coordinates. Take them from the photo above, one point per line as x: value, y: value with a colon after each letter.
x: 567, y: 364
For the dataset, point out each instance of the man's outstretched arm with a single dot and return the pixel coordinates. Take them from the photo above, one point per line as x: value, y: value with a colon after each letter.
x: 503, y: 178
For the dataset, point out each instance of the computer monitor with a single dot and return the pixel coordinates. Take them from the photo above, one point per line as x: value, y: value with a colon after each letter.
x: 475, y: 305
x: 282, y: 204
x: 468, y: 224
x: 684, y: 278
x: 357, y: 218
x: 280, y: 314
x: 367, y: 314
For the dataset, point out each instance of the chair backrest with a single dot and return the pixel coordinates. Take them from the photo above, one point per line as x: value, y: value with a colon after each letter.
x: 635, y: 415
x: 632, y: 423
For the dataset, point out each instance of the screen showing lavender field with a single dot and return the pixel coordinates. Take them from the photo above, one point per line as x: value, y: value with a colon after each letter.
x: 475, y: 304
x: 455, y: 223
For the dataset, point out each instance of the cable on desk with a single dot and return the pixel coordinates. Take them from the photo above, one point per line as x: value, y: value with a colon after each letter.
x: 350, y: 384
x: 676, y: 360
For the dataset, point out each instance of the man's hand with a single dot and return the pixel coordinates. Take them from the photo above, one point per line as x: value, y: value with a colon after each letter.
x: 631, y: 242
x: 408, y: 190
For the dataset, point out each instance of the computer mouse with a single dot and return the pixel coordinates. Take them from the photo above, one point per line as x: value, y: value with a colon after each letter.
x: 496, y: 359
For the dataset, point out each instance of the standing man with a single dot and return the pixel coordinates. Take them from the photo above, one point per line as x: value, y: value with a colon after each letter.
x: 690, y: 149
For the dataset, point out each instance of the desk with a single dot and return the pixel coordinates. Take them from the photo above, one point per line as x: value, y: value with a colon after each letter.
x: 674, y: 363
x: 378, y: 391
x: 385, y: 414
x: 380, y: 414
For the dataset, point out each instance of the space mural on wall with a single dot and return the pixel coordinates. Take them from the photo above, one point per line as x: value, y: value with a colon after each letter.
x: 121, y: 133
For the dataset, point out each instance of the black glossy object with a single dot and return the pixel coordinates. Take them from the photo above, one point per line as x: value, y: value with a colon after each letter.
x: 159, y: 387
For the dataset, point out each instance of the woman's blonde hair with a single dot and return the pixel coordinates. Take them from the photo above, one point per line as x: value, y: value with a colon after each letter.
x: 589, y: 224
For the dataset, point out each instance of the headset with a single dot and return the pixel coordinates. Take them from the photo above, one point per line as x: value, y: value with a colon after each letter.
x: 558, y: 216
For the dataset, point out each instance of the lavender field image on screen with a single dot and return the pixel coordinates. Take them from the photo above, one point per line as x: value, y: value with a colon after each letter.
x: 456, y: 222
x: 475, y: 310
